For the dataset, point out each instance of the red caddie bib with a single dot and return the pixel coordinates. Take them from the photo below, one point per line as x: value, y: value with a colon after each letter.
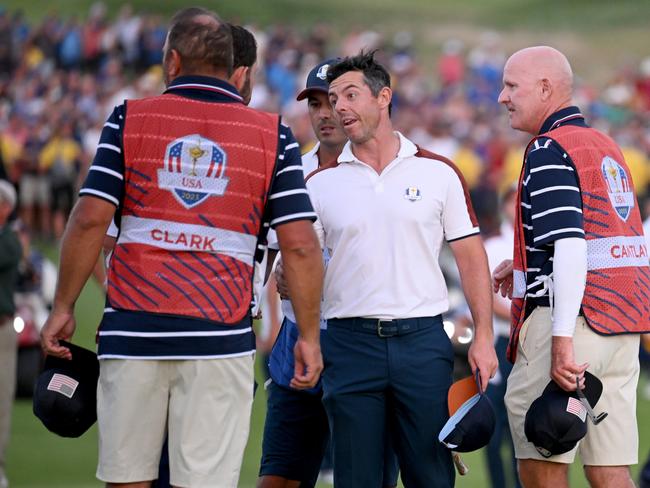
x: 197, y: 175
x: 617, y: 293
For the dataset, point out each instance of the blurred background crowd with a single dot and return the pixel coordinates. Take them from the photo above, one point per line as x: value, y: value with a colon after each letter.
x: 61, y: 77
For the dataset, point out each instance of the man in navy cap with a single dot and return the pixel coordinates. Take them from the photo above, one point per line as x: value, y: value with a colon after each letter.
x: 296, y: 431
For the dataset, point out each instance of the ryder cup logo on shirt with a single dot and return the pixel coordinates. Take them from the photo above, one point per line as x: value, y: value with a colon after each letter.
x: 619, y: 188
x: 412, y: 193
x: 193, y: 170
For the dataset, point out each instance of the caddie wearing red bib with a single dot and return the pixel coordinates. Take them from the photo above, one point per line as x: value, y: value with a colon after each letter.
x: 580, y: 280
x: 197, y: 178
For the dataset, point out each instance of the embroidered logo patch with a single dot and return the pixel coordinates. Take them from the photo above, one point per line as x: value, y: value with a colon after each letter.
x: 63, y: 384
x: 193, y: 170
x: 412, y: 193
x: 576, y: 407
x: 619, y: 188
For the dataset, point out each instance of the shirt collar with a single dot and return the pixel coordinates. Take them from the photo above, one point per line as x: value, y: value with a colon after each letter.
x: 406, y: 149
x: 561, y: 117
x: 312, y: 153
x: 204, y: 85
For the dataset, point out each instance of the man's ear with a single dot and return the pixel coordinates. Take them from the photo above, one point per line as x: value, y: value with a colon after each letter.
x: 545, y: 89
x: 172, y: 64
x: 385, y: 96
x: 238, y: 77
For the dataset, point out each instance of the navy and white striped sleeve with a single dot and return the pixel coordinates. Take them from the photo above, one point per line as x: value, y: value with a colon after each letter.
x: 552, y: 194
x: 105, y: 177
x: 288, y: 198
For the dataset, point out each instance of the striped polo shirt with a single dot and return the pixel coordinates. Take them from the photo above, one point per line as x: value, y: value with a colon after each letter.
x: 551, y: 205
x: 144, y: 335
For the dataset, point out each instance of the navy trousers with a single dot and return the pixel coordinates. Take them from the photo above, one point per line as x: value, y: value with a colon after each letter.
x: 397, y: 372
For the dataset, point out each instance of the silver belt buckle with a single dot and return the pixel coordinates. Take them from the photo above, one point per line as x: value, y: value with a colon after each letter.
x: 380, y: 332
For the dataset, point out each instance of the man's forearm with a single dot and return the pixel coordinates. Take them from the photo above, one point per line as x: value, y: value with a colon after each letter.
x: 479, y: 299
x: 303, y: 270
x: 476, y: 282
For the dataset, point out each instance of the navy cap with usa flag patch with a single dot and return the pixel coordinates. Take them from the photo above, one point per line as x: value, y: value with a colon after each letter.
x: 557, y: 420
x: 65, y: 396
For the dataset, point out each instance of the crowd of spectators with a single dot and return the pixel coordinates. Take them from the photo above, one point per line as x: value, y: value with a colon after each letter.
x: 60, y: 78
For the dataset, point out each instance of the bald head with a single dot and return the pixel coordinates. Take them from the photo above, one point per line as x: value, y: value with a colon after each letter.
x: 544, y: 62
x: 538, y: 81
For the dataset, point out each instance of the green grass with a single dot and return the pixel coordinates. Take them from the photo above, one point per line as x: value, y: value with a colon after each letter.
x: 40, y: 459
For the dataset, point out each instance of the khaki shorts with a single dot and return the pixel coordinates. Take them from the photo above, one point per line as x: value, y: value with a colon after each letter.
x: 204, y: 406
x: 613, y: 359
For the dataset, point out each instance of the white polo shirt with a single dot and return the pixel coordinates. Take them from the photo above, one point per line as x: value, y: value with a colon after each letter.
x: 384, y: 233
x: 310, y: 160
x: 309, y: 164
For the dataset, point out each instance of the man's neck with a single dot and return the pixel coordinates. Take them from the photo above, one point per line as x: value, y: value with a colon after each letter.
x: 328, y: 154
x: 550, y: 111
x: 221, y: 75
x: 380, y: 150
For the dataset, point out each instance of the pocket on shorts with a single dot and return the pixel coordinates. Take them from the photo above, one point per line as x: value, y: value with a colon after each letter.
x: 523, y: 335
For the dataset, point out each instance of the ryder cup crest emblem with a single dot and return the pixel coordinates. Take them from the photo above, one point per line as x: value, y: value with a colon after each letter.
x: 619, y: 188
x: 412, y: 194
x: 193, y: 170
x: 322, y: 72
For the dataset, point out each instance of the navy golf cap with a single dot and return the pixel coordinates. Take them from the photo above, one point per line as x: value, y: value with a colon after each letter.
x: 65, y: 397
x: 472, y: 420
x: 317, y: 79
x: 557, y: 420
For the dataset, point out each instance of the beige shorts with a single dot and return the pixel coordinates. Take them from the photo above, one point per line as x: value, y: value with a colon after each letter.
x: 203, y: 405
x: 613, y: 359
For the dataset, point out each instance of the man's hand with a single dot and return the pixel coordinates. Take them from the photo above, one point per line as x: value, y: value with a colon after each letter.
x: 482, y: 356
x: 59, y: 325
x: 80, y: 248
x: 564, y: 370
x: 502, y: 279
x: 281, y: 283
x: 308, y: 364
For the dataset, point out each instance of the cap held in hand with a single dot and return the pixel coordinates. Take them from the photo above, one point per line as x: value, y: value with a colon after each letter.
x: 472, y: 420
x: 65, y: 397
x: 557, y: 420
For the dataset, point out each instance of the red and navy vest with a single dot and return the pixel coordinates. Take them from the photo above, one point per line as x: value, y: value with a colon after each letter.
x: 197, y: 175
x: 617, y: 293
